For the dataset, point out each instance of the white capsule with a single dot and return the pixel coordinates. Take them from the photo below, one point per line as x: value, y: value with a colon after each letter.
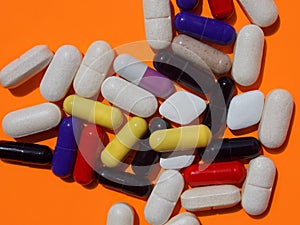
x: 158, y: 24
x: 210, y: 197
x: 26, y: 66
x: 60, y: 73
x: 164, y: 197
x: 176, y: 160
x: 276, y: 118
x: 31, y: 120
x: 247, y: 56
x: 245, y: 110
x: 120, y: 213
x: 129, y: 97
x: 184, y: 218
x: 257, y: 187
x: 95, y: 67
x: 261, y: 12
x: 182, y: 107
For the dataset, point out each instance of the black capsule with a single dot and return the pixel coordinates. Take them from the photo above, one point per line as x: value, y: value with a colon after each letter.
x: 27, y: 153
x: 231, y: 149
x: 124, y: 182
x: 184, y: 72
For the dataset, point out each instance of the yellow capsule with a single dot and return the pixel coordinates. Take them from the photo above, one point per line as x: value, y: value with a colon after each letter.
x: 181, y: 138
x: 93, y: 111
x: 124, y: 140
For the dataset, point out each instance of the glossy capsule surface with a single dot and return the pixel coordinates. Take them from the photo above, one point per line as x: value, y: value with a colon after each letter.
x: 65, y: 151
x: 204, y: 28
x: 89, y: 148
x: 27, y: 153
x: 186, y: 137
x: 184, y: 72
x: 221, y: 9
x: 231, y: 149
x: 215, y: 173
x: 93, y: 111
x: 124, y: 182
x: 186, y: 5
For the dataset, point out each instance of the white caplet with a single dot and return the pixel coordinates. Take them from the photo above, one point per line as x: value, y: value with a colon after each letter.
x: 176, y: 160
x: 184, y: 218
x: 120, y: 213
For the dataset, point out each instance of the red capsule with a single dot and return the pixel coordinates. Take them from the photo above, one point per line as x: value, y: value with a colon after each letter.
x: 221, y: 9
x: 215, y: 173
x: 89, y: 148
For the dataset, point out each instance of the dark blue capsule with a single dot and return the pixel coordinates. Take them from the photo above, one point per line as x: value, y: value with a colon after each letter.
x: 204, y: 28
x: 186, y: 5
x: 65, y: 151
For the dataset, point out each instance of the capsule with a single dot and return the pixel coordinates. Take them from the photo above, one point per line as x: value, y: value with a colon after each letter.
x: 145, y: 158
x: 93, y: 111
x: 215, y: 173
x: 187, y: 137
x: 187, y: 5
x: 124, y: 182
x: 184, y: 72
x: 204, y: 28
x: 94, y: 68
x: 231, y: 149
x: 140, y: 74
x: 89, y: 148
x: 129, y: 97
x: 65, y: 151
x: 124, y: 140
x: 221, y: 9
x: 26, y: 153
x: 120, y: 213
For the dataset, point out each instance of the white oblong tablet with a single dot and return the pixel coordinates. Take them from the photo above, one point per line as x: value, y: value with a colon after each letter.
x: 245, y: 110
x: 261, y: 12
x: 94, y: 68
x: 210, y: 197
x: 247, y: 56
x: 120, y: 213
x: 26, y: 66
x: 184, y: 218
x: 276, y: 118
x: 176, y: 160
x: 60, y: 73
x: 258, y: 185
x: 31, y: 120
x: 129, y: 97
x: 182, y: 107
x: 158, y: 24
x: 164, y: 197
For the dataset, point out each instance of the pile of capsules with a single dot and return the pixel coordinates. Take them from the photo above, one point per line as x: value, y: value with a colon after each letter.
x: 184, y: 60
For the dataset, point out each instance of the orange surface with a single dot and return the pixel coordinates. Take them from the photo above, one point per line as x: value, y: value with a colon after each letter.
x: 31, y: 196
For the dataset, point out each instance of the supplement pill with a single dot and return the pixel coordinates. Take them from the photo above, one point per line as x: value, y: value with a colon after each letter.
x: 221, y: 9
x: 186, y: 5
x: 120, y: 213
x: 184, y: 218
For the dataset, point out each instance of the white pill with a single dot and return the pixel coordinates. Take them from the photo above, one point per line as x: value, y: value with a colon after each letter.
x: 26, y: 66
x: 31, y: 120
x: 261, y: 12
x: 257, y: 187
x: 182, y: 107
x: 276, y: 118
x: 158, y: 24
x: 201, y: 54
x: 129, y: 97
x: 247, y: 56
x: 245, y: 110
x: 120, y: 213
x: 210, y: 197
x: 95, y: 67
x: 60, y: 73
x: 184, y: 218
x: 176, y: 160
x: 164, y: 197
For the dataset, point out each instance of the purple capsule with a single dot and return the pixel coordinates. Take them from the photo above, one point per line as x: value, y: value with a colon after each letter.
x: 186, y: 5
x: 204, y: 28
x: 65, y: 151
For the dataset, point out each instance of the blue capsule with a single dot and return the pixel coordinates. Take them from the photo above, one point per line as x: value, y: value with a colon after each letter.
x: 204, y: 28
x: 186, y: 4
x: 65, y: 151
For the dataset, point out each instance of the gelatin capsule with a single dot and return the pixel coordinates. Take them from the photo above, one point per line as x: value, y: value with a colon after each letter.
x: 93, y: 111
x: 187, y: 5
x: 120, y: 213
x: 204, y: 28
x: 221, y: 9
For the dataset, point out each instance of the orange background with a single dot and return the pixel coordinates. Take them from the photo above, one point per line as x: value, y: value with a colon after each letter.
x: 31, y: 196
